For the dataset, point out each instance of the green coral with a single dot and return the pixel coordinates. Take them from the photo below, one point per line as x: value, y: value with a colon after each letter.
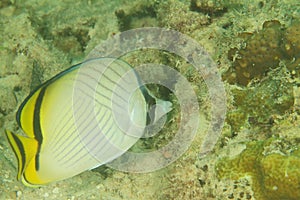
x: 273, y: 165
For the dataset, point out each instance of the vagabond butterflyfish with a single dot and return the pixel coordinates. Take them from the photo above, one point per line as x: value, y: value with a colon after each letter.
x: 84, y: 117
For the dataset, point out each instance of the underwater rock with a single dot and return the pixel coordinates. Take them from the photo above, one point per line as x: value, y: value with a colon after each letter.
x: 177, y: 15
x: 210, y: 8
x: 141, y: 14
x: 271, y: 97
x: 258, y: 105
x: 8, y: 100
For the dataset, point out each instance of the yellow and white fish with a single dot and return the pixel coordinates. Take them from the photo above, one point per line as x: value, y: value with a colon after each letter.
x: 84, y: 117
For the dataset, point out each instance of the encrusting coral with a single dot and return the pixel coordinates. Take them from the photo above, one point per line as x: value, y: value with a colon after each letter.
x: 273, y: 166
x: 262, y: 51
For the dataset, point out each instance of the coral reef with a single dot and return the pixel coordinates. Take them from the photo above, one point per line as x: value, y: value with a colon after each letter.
x: 273, y: 166
x: 40, y: 38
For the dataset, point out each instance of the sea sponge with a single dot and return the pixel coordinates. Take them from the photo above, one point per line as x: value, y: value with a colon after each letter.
x: 272, y: 165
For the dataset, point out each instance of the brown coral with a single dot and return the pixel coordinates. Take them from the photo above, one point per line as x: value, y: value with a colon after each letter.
x: 292, y: 47
x: 262, y: 52
x: 292, y: 40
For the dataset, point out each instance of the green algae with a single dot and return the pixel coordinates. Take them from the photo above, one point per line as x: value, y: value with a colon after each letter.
x: 257, y: 106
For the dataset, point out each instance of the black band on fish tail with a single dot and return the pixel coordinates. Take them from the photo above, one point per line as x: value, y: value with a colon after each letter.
x: 37, y: 125
x: 22, y: 152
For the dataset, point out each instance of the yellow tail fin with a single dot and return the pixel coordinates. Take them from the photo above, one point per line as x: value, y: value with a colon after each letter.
x: 25, y: 149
